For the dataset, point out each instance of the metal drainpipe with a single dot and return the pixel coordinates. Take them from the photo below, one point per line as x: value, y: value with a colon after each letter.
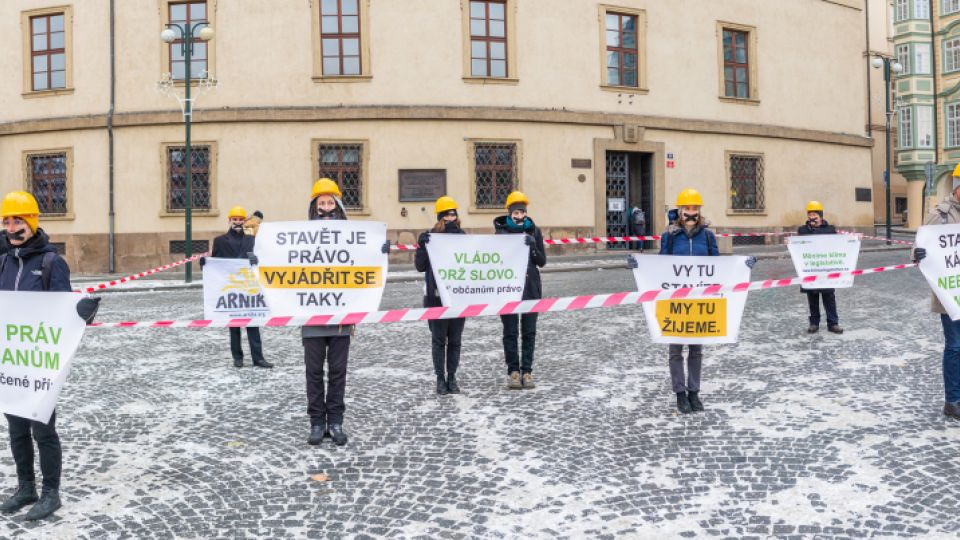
x: 936, y: 116
x: 111, y: 237
x: 869, y: 89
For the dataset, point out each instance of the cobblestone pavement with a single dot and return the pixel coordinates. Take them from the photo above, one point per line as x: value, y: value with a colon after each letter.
x: 803, y: 436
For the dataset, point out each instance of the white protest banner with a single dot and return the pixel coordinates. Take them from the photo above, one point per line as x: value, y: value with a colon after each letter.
x: 478, y: 268
x: 941, y: 266
x: 321, y: 267
x: 231, y: 291
x: 823, y: 254
x: 37, y: 342
x: 692, y: 321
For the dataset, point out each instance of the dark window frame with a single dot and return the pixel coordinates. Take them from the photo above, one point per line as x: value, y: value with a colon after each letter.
x: 197, y: 167
x: 48, y: 52
x: 348, y: 175
x: 187, y: 24
x: 752, y: 199
x: 340, y: 36
x: 733, y: 64
x: 49, y: 180
x: 623, y: 51
x: 487, y: 39
x: 486, y: 162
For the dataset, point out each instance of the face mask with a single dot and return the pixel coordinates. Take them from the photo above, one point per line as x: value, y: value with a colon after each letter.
x: 519, y: 221
x: 693, y: 218
x: 321, y: 214
x: 16, y: 236
x: 450, y: 226
x: 237, y: 226
x: 813, y: 222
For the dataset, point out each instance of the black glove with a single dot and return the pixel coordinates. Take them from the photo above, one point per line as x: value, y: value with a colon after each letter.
x: 919, y: 254
x: 632, y: 263
x: 258, y: 214
x: 385, y: 248
x: 252, y: 257
x: 673, y: 215
x: 87, y: 308
x: 751, y: 260
x: 528, y: 240
x: 424, y: 239
x: 203, y: 261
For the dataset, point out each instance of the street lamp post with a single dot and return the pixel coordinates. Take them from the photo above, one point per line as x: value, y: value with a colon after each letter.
x: 889, y: 65
x: 186, y: 35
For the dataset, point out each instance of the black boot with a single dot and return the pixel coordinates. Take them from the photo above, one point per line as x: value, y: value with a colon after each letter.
x: 835, y: 328
x: 452, y: 386
x: 48, y: 504
x: 813, y: 328
x: 695, y: 404
x: 339, y: 437
x: 238, y: 362
x: 441, y: 386
x: 262, y: 363
x: 952, y: 409
x: 26, y: 494
x: 317, y: 431
x: 683, y: 404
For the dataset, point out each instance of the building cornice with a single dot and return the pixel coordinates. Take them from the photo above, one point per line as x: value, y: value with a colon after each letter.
x: 428, y: 113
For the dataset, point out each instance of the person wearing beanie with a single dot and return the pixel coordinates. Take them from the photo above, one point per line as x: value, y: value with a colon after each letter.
x: 522, y: 327
x: 944, y: 213
x: 817, y: 225
x: 237, y: 244
x: 446, y: 334
x: 31, y: 263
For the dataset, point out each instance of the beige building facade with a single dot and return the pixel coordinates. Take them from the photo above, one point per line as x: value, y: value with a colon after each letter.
x: 591, y: 110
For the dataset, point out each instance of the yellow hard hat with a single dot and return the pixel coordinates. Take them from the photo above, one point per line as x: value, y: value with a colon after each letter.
x: 516, y: 197
x: 22, y: 205
x: 445, y: 204
x: 689, y: 197
x: 325, y: 186
x: 956, y: 170
x: 237, y: 211
x: 814, y: 206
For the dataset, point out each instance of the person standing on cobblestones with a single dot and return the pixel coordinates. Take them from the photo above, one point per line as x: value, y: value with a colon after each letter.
x: 689, y: 235
x: 446, y: 334
x: 520, y: 363
x: 32, y: 264
x: 236, y: 244
x: 817, y: 225
x: 947, y: 212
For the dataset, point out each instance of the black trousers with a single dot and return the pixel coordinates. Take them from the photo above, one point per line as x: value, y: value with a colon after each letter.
x: 446, y: 342
x: 48, y: 442
x: 253, y: 336
x: 515, y: 327
x: 325, y: 402
x: 829, y: 304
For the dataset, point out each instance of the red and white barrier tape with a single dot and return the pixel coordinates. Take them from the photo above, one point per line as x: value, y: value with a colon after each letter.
x: 116, y: 282
x: 567, y: 303
x: 607, y: 239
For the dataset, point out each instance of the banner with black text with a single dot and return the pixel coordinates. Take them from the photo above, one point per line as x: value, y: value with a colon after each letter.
x: 475, y: 269
x: 941, y: 266
x: 231, y: 290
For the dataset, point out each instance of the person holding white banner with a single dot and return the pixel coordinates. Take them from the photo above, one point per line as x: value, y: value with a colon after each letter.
x: 946, y: 213
x: 32, y: 264
x: 689, y: 236
x: 236, y: 244
x: 817, y: 225
x: 446, y: 334
x: 517, y: 327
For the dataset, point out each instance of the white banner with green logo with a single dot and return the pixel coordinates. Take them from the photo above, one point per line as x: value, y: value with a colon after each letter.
x: 231, y: 290
x: 824, y: 254
x: 39, y: 334
x: 941, y: 266
x: 475, y: 269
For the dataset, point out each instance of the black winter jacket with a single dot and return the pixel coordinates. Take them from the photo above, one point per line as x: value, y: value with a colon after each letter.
x: 233, y: 245
x: 23, y: 267
x: 824, y: 228
x: 422, y: 261
x: 533, y: 288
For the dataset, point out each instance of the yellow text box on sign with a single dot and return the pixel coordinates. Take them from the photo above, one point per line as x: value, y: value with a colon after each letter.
x: 321, y: 277
x: 693, y: 318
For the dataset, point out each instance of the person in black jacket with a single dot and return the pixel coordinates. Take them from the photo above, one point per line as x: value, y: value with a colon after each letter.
x: 817, y: 225
x: 446, y: 333
x: 520, y: 367
x: 236, y: 244
x: 31, y: 263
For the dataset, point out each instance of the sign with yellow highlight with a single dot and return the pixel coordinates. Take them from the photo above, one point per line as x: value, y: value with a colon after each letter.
x: 693, y: 318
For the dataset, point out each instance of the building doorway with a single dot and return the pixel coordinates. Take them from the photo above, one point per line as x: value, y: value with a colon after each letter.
x: 629, y: 187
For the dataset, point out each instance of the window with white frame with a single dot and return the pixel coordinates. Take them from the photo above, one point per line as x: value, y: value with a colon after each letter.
x: 953, y: 124
x: 921, y: 58
x: 921, y: 9
x: 902, y: 10
x: 924, y: 127
x: 905, y: 136
x: 903, y: 56
x: 951, y: 54
x: 950, y: 6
